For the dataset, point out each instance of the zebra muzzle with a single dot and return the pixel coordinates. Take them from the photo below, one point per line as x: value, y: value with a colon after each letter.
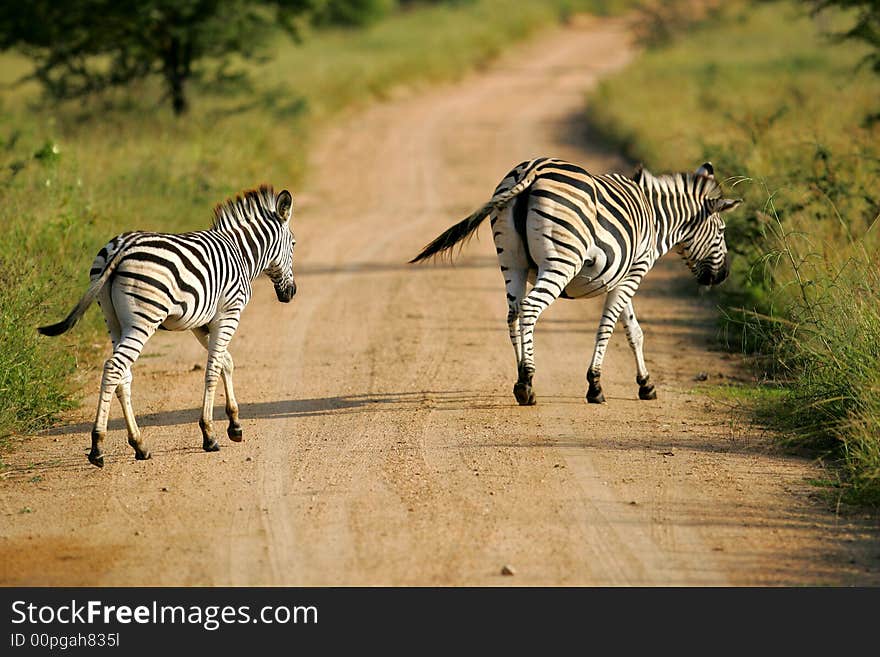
x: 709, y: 277
x: 285, y: 292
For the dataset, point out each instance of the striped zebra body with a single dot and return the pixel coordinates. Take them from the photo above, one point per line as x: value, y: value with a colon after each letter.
x: 198, y: 281
x: 576, y: 235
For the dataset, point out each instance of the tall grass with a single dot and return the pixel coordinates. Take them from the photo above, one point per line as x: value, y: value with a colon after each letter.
x: 782, y: 112
x: 825, y: 347
x: 72, y: 176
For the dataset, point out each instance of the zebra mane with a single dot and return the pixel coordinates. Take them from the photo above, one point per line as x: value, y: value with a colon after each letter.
x: 250, y: 205
x: 706, y: 187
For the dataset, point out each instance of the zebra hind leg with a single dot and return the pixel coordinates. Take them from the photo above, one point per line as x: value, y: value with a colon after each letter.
x: 522, y: 389
x: 234, y: 429
x: 117, y: 374
x: 116, y: 378
x: 123, y: 393
x: 515, y: 283
x: 547, y: 288
x: 594, y: 387
x: 514, y: 262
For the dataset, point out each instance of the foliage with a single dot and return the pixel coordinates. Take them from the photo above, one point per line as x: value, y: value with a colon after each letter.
x: 83, y: 46
x: 47, y: 394
x: 866, y: 28
x: 659, y: 22
x: 350, y: 13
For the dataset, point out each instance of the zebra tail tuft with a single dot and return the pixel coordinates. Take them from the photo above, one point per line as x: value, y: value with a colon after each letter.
x: 465, y: 228
x: 457, y: 233
x: 79, y: 310
x: 61, y: 327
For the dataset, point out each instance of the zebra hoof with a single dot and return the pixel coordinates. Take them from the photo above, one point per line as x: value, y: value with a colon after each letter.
x: 596, y: 397
x: 143, y: 456
x: 96, y: 458
x: 210, y: 445
x: 234, y: 433
x: 524, y: 394
x: 648, y: 392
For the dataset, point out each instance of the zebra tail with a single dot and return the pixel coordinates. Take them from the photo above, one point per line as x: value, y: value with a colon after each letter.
x: 466, y: 227
x: 79, y: 310
x: 460, y: 231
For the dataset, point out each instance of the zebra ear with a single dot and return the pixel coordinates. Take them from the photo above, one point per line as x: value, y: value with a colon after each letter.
x: 706, y: 169
x: 284, y: 205
x: 726, y: 204
x: 639, y: 173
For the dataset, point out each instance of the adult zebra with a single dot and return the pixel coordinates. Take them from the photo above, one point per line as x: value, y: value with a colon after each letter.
x: 576, y: 235
x: 198, y: 281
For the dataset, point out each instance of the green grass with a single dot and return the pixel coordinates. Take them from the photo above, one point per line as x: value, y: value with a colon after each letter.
x: 750, y: 394
x: 73, y: 176
x: 781, y: 112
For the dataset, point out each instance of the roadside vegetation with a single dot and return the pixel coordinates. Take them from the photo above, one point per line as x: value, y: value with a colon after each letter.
x: 789, y: 118
x: 74, y: 173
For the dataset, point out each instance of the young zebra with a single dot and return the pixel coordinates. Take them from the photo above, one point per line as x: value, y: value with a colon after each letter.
x: 576, y: 235
x: 199, y: 282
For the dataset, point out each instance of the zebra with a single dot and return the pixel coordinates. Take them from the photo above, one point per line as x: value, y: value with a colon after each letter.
x: 576, y: 235
x: 198, y: 281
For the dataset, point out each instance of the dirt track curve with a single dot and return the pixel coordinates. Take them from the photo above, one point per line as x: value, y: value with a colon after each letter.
x: 382, y: 443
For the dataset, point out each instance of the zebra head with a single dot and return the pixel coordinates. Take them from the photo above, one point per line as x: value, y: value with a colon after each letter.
x: 279, y: 268
x: 705, y: 249
x: 693, y: 219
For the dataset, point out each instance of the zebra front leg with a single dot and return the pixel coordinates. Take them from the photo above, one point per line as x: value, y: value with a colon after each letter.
x: 228, y: 367
x: 206, y: 422
x: 615, y: 301
x: 636, y: 338
x: 220, y: 333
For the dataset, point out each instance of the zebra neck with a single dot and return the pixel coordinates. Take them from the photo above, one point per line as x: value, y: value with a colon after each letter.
x: 673, y: 216
x: 254, y: 257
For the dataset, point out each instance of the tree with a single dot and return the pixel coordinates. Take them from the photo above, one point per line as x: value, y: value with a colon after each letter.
x: 866, y: 27
x: 83, y: 46
x: 350, y: 13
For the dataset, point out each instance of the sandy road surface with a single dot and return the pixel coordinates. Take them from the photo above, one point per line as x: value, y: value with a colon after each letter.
x: 382, y: 442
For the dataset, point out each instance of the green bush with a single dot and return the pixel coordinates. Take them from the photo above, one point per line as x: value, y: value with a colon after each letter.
x: 351, y: 13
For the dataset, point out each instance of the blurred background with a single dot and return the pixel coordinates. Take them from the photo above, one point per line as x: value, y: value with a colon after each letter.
x: 143, y: 115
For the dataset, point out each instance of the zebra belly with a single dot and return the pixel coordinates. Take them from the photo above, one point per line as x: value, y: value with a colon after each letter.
x: 592, y: 279
x: 183, y: 318
x: 584, y: 286
x: 182, y: 323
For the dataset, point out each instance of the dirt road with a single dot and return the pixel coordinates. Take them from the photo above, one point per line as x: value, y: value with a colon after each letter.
x: 383, y: 445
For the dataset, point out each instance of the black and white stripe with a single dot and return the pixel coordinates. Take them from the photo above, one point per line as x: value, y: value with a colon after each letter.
x: 198, y: 281
x: 576, y: 235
